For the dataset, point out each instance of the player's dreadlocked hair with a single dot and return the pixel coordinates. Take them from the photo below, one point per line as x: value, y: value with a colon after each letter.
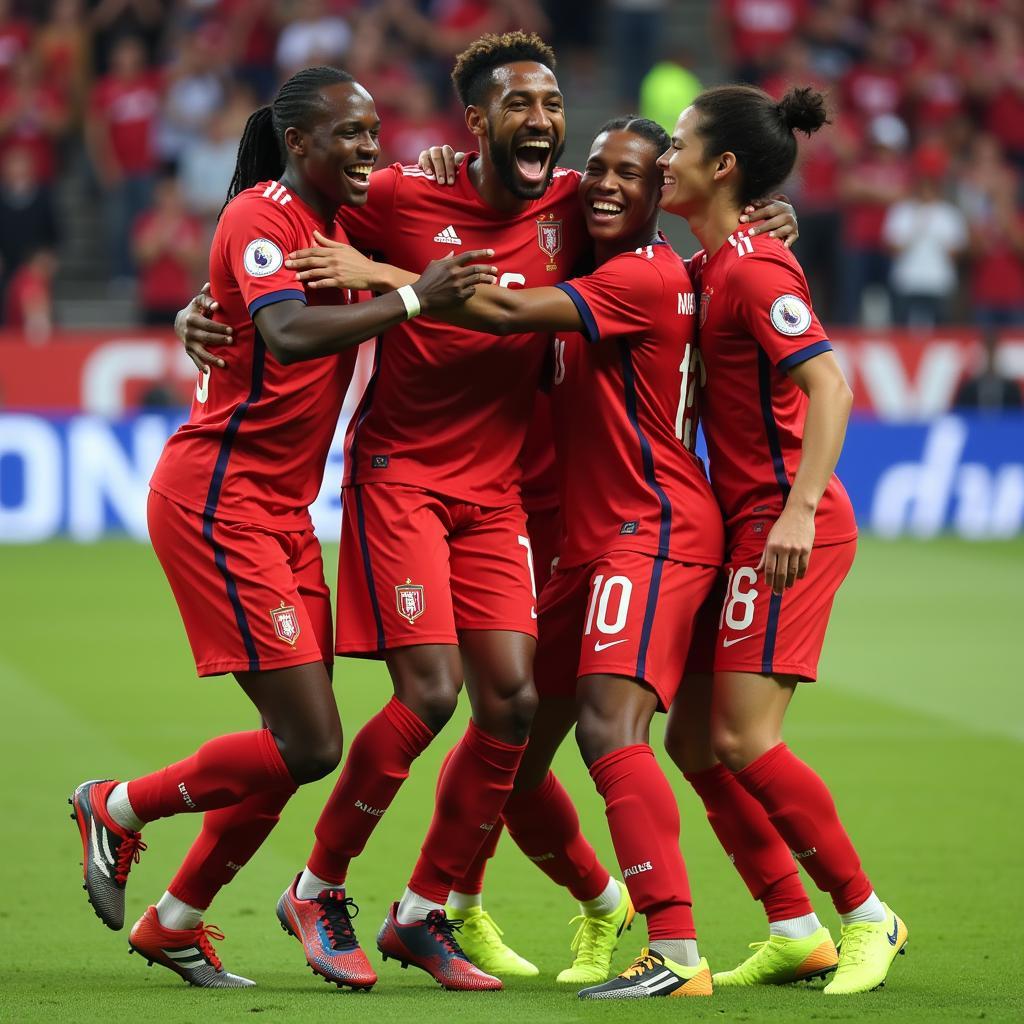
x: 261, y: 152
x: 642, y: 126
x: 472, y: 72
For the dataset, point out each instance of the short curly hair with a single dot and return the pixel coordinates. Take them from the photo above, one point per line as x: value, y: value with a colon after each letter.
x: 472, y: 72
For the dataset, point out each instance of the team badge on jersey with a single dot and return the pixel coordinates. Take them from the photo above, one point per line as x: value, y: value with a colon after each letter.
x: 410, y: 600
x: 262, y: 257
x: 790, y: 315
x: 286, y: 623
x: 549, y: 238
x: 705, y: 302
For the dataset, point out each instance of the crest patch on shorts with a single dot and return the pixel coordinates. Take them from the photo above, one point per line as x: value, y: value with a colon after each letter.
x: 410, y: 600
x: 286, y: 623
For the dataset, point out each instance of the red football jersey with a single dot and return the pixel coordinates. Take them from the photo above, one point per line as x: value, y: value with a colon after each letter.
x: 756, y: 322
x: 622, y: 406
x: 447, y: 409
x: 254, y: 447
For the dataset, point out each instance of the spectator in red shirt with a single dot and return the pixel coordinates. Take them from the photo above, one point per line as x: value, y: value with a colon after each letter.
x: 33, y: 116
x: 875, y: 86
x: 867, y: 188
x: 1001, y: 87
x: 750, y: 33
x: 15, y: 38
x: 29, y: 304
x: 120, y: 134
x: 168, y: 244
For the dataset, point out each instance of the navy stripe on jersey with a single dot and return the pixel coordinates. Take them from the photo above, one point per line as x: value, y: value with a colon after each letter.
x: 220, y: 559
x: 652, y: 605
x: 771, y: 428
x: 807, y: 352
x: 271, y: 297
x: 589, y: 323
x: 646, y: 454
x: 771, y: 628
x: 371, y: 584
x: 363, y: 410
x: 213, y: 495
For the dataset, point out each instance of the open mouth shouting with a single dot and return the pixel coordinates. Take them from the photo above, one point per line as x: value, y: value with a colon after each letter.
x: 532, y: 159
x: 359, y: 174
x: 604, y: 211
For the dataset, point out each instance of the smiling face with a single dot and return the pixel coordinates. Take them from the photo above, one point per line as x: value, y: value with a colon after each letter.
x: 338, y: 153
x: 688, y: 176
x: 619, y: 188
x: 523, y: 127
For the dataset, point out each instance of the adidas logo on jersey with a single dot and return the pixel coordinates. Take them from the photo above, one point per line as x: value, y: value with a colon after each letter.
x: 448, y: 236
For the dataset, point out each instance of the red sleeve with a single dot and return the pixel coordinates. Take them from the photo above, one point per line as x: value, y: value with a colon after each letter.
x: 619, y: 299
x: 369, y: 226
x: 769, y: 297
x: 258, y: 235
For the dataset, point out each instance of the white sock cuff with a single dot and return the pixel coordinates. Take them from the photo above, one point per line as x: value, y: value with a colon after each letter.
x: 465, y: 900
x: 176, y: 915
x: 119, y: 807
x: 606, y: 903
x: 309, y: 886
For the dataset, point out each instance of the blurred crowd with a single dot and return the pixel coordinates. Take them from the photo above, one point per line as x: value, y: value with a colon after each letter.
x: 910, y: 204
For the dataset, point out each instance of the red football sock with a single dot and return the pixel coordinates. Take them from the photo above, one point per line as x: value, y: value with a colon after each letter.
x: 801, y: 809
x: 544, y: 824
x: 644, y: 822
x: 229, y: 838
x: 223, y: 771
x: 470, y: 798
x: 377, y: 765
x: 472, y: 882
x: 752, y: 843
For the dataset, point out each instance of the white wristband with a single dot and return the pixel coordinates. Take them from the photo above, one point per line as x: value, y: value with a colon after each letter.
x: 410, y: 300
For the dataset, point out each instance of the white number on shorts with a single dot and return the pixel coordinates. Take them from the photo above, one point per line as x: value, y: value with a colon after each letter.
x: 600, y: 599
x: 694, y: 372
x: 508, y: 279
x: 525, y: 541
x: 736, y: 599
x: 203, y: 387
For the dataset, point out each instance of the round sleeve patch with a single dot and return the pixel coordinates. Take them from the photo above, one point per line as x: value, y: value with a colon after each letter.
x: 262, y: 257
x: 790, y: 315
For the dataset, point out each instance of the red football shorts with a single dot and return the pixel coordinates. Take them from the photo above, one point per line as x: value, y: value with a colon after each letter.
x: 544, y: 527
x: 624, y: 614
x: 744, y: 627
x: 251, y: 599
x: 416, y: 568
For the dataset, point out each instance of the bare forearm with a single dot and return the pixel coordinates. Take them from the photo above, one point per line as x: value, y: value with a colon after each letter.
x: 828, y: 411
x: 310, y: 332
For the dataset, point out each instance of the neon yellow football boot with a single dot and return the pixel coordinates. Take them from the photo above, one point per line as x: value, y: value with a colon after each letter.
x: 480, y: 939
x: 866, y: 952
x: 780, y: 961
x: 595, y: 943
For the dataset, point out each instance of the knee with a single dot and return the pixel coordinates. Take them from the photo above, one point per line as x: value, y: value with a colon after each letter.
x: 732, y: 747
x: 313, y: 757
x: 689, y: 748
x: 432, y: 700
x: 597, y: 735
x: 506, y: 708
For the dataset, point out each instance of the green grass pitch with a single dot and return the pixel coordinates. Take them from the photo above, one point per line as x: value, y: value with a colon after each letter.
x: 917, y: 726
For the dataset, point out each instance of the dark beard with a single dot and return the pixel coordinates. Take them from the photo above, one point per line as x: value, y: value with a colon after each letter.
x: 504, y: 161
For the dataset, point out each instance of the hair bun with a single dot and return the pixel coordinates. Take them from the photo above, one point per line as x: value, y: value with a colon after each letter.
x: 803, y: 109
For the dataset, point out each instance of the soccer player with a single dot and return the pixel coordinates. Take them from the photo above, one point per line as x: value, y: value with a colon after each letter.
x: 228, y: 516
x: 479, y: 411
x: 775, y: 411
x: 637, y: 559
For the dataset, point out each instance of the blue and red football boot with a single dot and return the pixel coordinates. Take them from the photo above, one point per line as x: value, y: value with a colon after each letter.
x: 324, y: 927
x: 108, y: 851
x: 431, y: 946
